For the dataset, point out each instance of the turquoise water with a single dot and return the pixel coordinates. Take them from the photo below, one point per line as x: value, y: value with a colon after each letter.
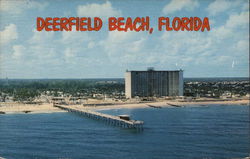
x: 188, y: 132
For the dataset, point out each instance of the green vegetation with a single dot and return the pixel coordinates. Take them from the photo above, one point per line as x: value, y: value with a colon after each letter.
x: 25, y: 94
x: 27, y: 90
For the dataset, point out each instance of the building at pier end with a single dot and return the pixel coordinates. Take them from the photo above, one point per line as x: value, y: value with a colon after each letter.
x: 152, y: 83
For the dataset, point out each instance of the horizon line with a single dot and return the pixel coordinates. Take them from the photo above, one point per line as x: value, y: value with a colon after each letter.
x: 101, y: 78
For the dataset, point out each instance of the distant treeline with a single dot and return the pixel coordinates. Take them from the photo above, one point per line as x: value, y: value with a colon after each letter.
x: 216, y: 79
x: 29, y: 89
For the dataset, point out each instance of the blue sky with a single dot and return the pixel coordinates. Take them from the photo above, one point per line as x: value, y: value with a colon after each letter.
x: 27, y: 53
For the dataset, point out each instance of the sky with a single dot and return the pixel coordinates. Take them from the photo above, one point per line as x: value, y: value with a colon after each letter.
x: 26, y: 53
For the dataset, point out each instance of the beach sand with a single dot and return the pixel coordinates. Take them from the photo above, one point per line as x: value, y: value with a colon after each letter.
x: 8, y: 108
x: 170, y: 103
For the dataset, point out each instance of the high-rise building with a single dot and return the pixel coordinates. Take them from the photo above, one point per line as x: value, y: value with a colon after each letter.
x: 153, y: 83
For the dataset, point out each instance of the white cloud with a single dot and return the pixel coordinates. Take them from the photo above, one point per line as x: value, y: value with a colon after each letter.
x: 137, y: 45
x: 41, y: 37
x: 8, y: 34
x: 54, y: 46
x: 19, y: 50
x: 234, y: 24
x: 129, y: 41
x: 78, y: 41
x: 104, y: 10
x: 124, y: 47
x: 177, y: 5
x: 218, y: 6
x: 91, y: 45
x: 186, y: 43
x: 238, y: 20
x: 222, y: 32
x: 69, y: 52
x: 18, y: 6
x: 243, y: 46
x: 42, y: 45
x: 222, y: 6
x: 216, y: 49
x: 74, y: 37
x: 43, y: 52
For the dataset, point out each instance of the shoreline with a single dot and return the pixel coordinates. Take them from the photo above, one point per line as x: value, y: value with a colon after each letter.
x: 170, y: 104
x: 19, y: 108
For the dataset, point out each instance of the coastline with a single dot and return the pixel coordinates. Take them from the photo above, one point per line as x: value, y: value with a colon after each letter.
x: 20, y: 108
x: 171, y: 103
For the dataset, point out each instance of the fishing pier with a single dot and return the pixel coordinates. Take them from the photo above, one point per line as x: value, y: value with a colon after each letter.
x: 120, y: 121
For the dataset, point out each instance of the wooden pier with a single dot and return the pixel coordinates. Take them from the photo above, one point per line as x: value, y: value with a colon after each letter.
x: 110, y: 119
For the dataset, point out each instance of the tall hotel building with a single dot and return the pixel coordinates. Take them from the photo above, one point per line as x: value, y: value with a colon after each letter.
x: 153, y: 83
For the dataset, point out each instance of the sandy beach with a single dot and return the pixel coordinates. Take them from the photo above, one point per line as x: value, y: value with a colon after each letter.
x: 10, y: 108
x: 170, y: 103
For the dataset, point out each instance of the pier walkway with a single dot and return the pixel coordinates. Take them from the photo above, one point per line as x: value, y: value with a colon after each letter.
x: 110, y: 119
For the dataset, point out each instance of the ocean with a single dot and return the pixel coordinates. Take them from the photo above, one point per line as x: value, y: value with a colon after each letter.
x: 215, y: 131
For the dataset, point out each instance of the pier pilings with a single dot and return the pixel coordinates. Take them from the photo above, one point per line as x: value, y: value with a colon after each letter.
x: 110, y: 119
